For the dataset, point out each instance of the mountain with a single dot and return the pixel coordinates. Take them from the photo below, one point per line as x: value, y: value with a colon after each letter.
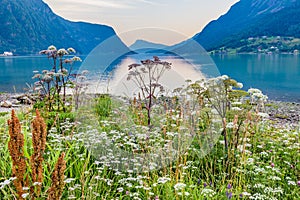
x: 29, y: 26
x: 249, y: 18
x: 143, y: 44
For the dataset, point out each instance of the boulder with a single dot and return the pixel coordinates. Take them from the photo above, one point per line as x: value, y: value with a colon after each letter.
x: 6, y: 104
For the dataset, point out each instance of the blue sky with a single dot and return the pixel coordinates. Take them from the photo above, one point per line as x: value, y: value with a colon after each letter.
x: 187, y: 17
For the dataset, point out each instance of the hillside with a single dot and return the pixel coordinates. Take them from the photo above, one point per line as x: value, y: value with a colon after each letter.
x: 146, y: 45
x: 28, y: 26
x: 252, y: 18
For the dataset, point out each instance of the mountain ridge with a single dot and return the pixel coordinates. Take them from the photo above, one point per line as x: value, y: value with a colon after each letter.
x: 241, y: 16
x: 30, y: 25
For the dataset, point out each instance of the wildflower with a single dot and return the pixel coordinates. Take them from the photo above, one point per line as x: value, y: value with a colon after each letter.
x: 230, y: 125
x: 272, y: 164
x: 246, y: 194
x: 208, y: 192
x: 39, y: 135
x: 163, y: 180
x: 62, y: 52
x: 25, y: 188
x: 298, y: 183
x: 47, y: 78
x: 69, y: 180
x: 228, y: 195
x: 229, y: 186
x: 16, y: 150
x: 291, y: 183
x: 57, y: 186
x: 239, y: 85
x: 25, y: 195
x: 179, y: 186
x: 52, y: 48
x: 71, y: 50
x: 236, y: 109
x: 75, y: 58
x: 224, y: 77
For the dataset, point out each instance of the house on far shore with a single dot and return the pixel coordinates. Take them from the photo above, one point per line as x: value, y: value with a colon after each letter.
x: 7, y: 53
x: 296, y: 52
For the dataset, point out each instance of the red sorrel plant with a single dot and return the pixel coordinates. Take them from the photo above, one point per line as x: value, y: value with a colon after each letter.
x: 16, y: 150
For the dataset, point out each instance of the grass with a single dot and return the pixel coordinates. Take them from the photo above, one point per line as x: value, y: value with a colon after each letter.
x: 261, y: 161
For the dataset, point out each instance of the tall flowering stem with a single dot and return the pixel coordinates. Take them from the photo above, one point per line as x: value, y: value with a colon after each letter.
x: 57, y: 186
x: 146, y: 76
x: 16, y: 150
x: 39, y: 134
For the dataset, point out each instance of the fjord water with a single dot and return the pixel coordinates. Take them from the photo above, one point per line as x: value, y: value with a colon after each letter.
x: 277, y: 75
x: 17, y: 71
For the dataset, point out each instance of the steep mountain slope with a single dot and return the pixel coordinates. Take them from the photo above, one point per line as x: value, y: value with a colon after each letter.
x: 28, y: 26
x: 251, y: 17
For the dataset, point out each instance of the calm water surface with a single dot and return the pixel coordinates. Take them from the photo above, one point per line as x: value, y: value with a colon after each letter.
x: 278, y: 76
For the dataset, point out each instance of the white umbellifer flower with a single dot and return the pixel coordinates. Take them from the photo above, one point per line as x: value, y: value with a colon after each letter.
x: 69, y: 180
x: 246, y: 194
x: 236, y: 103
x: 208, y: 192
x: 291, y: 183
x: 236, y: 109
x: 37, y: 183
x: 230, y: 125
x: 71, y: 50
x: 224, y: 77
x: 52, y: 48
x: 254, y: 90
x: 62, y: 52
x: 250, y: 160
x: 163, y: 180
x: 24, y: 196
x: 239, y: 85
x: 75, y: 58
x: 179, y: 186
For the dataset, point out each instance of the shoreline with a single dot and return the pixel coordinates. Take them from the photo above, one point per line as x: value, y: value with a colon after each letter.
x: 280, y: 112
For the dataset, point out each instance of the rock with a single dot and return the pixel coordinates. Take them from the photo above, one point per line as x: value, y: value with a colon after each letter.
x: 6, y: 104
x: 15, y: 101
x: 25, y: 100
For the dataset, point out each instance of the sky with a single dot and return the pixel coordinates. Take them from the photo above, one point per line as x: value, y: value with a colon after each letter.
x: 177, y: 20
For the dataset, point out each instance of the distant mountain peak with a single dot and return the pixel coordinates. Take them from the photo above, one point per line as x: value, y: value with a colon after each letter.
x: 143, y: 44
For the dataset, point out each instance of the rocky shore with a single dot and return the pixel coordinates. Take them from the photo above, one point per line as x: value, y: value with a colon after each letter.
x: 16, y: 101
x: 281, y: 113
x: 284, y: 113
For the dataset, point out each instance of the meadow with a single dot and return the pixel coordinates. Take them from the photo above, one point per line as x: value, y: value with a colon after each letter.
x: 207, y: 140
